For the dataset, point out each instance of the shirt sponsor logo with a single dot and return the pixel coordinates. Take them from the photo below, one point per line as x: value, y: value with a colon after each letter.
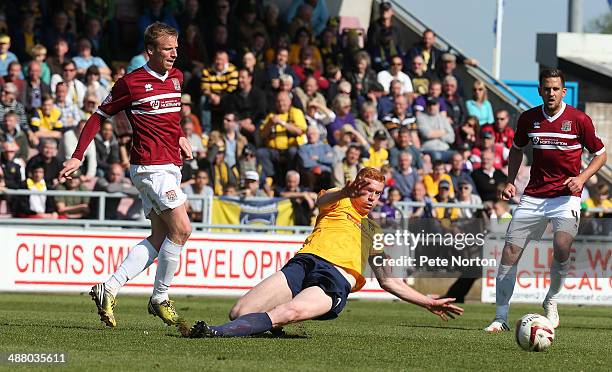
x: 171, y: 195
x: 155, y: 104
x: 566, y: 126
x: 148, y: 87
x: 177, y: 85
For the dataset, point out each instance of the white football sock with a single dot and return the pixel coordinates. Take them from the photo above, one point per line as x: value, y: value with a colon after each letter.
x: 167, y: 262
x: 558, y: 273
x: 140, y: 257
x: 504, y: 287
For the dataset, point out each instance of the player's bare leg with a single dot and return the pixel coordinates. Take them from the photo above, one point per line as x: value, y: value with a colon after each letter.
x: 504, y: 286
x: 139, y: 259
x: 178, y: 229
x: 562, y: 243
x: 308, y: 304
x: 264, y: 297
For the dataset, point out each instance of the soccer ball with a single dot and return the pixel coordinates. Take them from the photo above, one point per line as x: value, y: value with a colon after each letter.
x: 534, y: 332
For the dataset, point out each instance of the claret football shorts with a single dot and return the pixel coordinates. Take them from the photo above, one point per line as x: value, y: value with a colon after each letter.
x: 532, y: 215
x: 159, y: 186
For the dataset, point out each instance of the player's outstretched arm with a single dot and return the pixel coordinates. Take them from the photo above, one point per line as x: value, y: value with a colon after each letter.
x: 442, y: 307
x: 515, y: 157
x: 350, y: 190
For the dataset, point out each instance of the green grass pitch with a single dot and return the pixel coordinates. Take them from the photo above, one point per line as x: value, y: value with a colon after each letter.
x: 368, y: 336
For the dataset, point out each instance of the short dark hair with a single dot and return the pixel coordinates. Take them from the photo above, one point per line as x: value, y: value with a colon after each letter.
x: 552, y: 73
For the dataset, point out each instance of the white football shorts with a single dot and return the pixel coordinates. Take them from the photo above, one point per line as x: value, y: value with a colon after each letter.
x: 532, y: 215
x: 159, y: 186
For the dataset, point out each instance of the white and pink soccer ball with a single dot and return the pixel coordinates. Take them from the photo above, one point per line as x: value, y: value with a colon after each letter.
x: 534, y: 332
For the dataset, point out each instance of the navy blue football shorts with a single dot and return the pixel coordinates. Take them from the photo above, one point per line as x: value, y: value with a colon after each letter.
x: 308, y: 270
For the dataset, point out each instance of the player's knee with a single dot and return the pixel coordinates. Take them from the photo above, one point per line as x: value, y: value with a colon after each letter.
x: 237, y: 310
x: 292, y: 313
x: 181, y: 233
x: 511, y: 254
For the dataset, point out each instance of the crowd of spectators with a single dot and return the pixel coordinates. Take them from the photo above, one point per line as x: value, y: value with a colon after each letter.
x: 274, y: 104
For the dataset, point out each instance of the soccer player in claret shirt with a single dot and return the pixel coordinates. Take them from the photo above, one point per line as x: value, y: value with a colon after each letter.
x: 315, y: 283
x: 558, y: 133
x: 151, y: 99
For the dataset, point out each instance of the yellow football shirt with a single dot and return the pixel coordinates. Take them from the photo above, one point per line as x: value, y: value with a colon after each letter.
x: 343, y: 237
x: 279, y: 139
x: 51, y: 122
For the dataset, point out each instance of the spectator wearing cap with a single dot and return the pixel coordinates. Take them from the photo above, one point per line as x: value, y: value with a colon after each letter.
x: 504, y: 134
x: 8, y: 102
x: 438, y: 175
x: 186, y: 112
x: 319, y: 14
x: 6, y: 56
x: 248, y: 103
x: 46, y: 122
x: 403, y: 143
x: 346, y: 170
x: 479, y: 105
x: 405, y: 175
x: 487, y: 178
x: 382, y: 25
x: 34, y: 88
x: 418, y: 74
x: 69, y: 143
x: 200, y: 188
x: 459, y: 172
x: 435, y: 131
x: 107, y: 148
x: 368, y: 124
x: 456, y: 111
x: 466, y: 195
x: 250, y: 185
x: 431, y: 54
x: 444, y: 196
x: 11, y: 133
x: 448, y: 67
x: 84, y: 59
x: 395, y: 73
x: 316, y: 160
x: 500, y: 152
x: 379, y: 155
x: 362, y: 77
x: 282, y: 132
x: 401, y: 117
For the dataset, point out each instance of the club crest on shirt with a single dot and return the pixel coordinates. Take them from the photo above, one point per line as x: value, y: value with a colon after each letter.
x: 536, y: 125
x: 148, y: 87
x: 177, y: 85
x: 171, y: 195
x: 566, y: 126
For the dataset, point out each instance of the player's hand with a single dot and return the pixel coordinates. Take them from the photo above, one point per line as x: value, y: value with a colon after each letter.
x: 70, y: 166
x: 508, y: 192
x: 186, y: 150
x: 444, y: 308
x: 574, y: 184
x: 355, y: 188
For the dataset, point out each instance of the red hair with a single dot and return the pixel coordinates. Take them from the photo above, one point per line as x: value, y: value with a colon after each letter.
x: 371, y: 173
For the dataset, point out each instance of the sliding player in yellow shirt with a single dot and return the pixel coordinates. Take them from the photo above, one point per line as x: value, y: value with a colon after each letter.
x: 316, y: 282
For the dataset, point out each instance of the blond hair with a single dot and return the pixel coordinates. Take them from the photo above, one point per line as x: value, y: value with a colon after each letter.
x: 156, y: 31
